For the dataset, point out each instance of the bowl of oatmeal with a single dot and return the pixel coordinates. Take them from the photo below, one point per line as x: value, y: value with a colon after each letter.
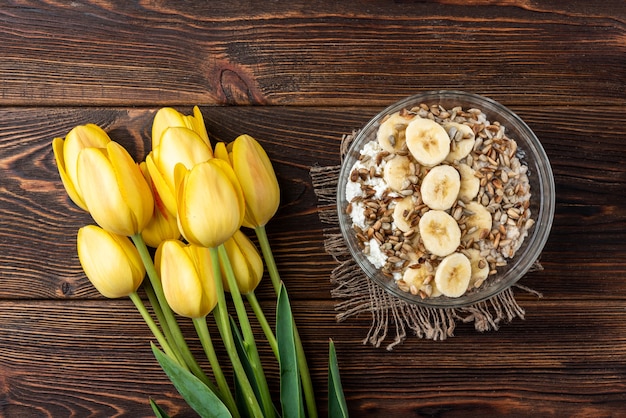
x: 445, y: 198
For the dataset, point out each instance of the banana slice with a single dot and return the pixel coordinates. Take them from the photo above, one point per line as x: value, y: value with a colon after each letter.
x: 396, y: 172
x: 391, y: 133
x: 470, y: 184
x: 480, y: 267
x: 440, y: 187
x: 462, y: 139
x: 440, y: 232
x: 403, y: 207
x: 427, y: 141
x: 435, y: 290
x: 478, y: 222
x: 453, y: 275
x: 415, y: 278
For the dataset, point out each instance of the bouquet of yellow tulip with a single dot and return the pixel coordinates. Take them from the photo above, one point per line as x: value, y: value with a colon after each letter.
x: 188, y: 201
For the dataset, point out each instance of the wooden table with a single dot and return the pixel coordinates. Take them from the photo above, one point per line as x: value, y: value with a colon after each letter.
x: 297, y: 76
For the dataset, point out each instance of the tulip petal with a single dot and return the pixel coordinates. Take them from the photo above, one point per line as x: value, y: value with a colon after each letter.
x: 186, y: 274
x: 199, y: 127
x: 229, y: 174
x: 162, y: 225
x: 222, y: 153
x: 111, y: 262
x: 246, y: 262
x: 70, y: 187
x: 181, y: 176
x: 134, y: 258
x: 132, y: 185
x: 181, y: 285
x: 79, y: 138
x: 165, y: 117
x: 180, y: 145
x: 166, y: 194
x: 258, y: 180
x: 101, y: 193
x: 253, y: 258
x: 66, y: 156
x: 209, y: 205
x: 239, y: 266
x: 204, y: 265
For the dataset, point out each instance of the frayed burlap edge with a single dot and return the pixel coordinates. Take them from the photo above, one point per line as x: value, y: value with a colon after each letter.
x: 392, y: 317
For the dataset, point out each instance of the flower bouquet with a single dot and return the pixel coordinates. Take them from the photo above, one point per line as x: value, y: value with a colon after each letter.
x: 176, y: 218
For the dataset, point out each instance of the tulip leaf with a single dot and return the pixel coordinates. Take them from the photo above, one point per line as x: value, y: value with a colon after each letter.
x: 158, y: 411
x: 197, y: 395
x: 337, y: 407
x: 290, y: 388
x: 247, y: 367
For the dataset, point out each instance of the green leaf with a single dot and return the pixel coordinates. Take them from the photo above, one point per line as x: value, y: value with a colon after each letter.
x: 337, y: 407
x: 247, y: 367
x: 197, y: 395
x: 290, y: 389
x: 158, y: 411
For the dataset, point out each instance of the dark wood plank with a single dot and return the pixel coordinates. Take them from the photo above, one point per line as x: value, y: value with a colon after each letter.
x: 84, y: 358
x: 309, y: 53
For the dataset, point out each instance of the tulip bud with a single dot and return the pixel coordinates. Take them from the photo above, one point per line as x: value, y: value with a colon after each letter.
x: 246, y: 262
x: 163, y: 224
x: 258, y: 181
x: 66, y: 156
x: 114, y: 189
x: 178, y: 145
x: 210, y: 203
x: 169, y: 118
x: 110, y: 261
x: 187, y: 278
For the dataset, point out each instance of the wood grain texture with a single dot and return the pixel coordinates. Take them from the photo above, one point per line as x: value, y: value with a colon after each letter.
x: 297, y: 77
x: 309, y: 53
x: 48, y: 363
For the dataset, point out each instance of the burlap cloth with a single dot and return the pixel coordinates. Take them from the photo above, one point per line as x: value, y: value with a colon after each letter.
x: 392, y: 317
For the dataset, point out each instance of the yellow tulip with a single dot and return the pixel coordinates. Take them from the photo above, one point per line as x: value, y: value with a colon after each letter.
x: 210, y: 203
x: 187, y: 277
x: 177, y: 145
x: 110, y: 261
x: 169, y: 118
x: 114, y: 189
x: 258, y: 180
x: 66, y: 156
x: 222, y: 152
x: 163, y: 224
x: 246, y: 262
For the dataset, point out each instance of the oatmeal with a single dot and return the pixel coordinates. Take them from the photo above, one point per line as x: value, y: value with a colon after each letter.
x: 439, y: 200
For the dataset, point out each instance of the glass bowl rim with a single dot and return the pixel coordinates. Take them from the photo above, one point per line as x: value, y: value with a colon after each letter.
x: 534, y: 241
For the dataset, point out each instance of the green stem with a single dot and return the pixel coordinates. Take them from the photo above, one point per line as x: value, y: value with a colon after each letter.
x: 268, y: 256
x: 159, y: 314
x: 223, y: 325
x: 153, y: 326
x: 305, y: 375
x: 248, y: 336
x: 194, y: 366
x: 170, y: 320
x: 207, y: 344
x: 267, y: 330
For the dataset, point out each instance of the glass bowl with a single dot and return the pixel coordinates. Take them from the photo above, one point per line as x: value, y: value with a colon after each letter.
x: 542, y: 199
